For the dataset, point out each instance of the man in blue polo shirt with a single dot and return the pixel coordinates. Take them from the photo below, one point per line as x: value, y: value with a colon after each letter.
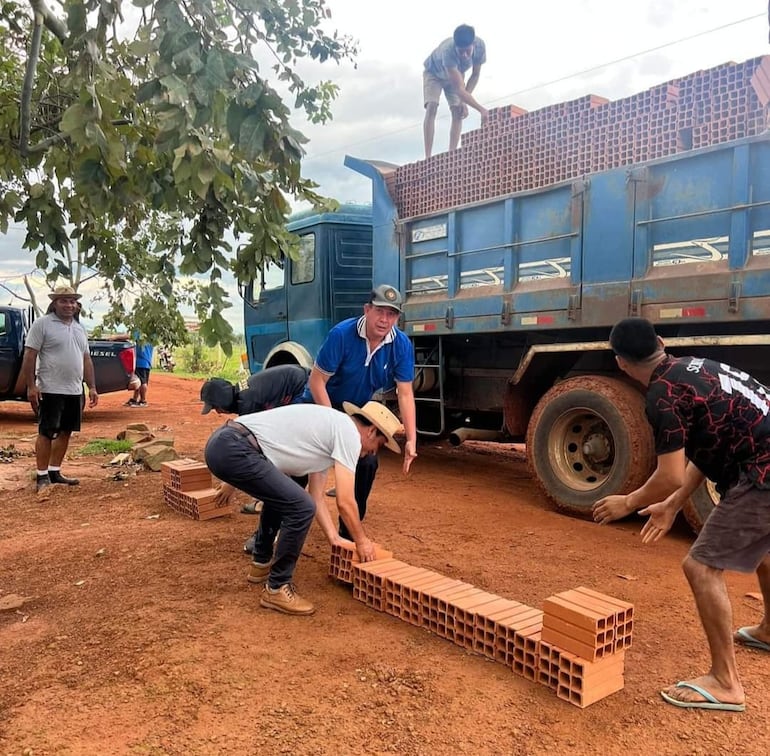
x: 362, y: 357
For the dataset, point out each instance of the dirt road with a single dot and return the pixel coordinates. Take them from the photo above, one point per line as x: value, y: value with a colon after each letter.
x: 142, y: 636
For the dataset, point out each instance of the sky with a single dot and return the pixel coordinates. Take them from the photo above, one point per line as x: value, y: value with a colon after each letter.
x: 538, y: 54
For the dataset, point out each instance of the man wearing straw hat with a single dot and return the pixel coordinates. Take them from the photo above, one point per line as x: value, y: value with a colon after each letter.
x: 259, y: 453
x: 56, y: 362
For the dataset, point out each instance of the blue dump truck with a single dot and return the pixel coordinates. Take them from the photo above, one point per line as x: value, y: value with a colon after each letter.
x: 509, y: 303
x: 113, y: 360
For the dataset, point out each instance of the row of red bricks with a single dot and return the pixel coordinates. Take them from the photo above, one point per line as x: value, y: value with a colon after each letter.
x: 188, y: 489
x: 537, y: 148
x: 575, y: 645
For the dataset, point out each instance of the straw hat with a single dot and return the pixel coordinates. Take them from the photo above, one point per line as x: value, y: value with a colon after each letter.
x: 64, y: 291
x: 382, y: 419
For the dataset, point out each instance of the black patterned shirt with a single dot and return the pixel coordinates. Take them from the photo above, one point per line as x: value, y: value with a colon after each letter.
x: 719, y: 415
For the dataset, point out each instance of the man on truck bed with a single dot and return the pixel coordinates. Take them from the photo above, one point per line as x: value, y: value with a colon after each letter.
x: 445, y: 71
x: 718, y: 418
x: 359, y: 358
x: 57, y: 346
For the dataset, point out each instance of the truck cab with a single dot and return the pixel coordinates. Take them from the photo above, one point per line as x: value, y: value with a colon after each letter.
x: 288, y: 313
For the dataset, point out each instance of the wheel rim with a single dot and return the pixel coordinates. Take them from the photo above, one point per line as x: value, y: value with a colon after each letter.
x: 582, y: 449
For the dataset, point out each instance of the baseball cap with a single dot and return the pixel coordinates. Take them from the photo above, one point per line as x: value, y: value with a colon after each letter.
x: 386, y: 296
x: 217, y: 393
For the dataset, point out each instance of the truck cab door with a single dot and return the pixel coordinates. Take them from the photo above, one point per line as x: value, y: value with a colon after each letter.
x: 268, y: 321
x: 9, y: 356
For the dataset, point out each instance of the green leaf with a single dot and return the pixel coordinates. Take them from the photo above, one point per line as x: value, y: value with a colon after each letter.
x: 148, y: 91
x: 251, y: 139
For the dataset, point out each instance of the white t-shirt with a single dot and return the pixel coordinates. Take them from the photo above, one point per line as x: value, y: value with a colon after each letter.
x: 61, y: 348
x: 305, y: 438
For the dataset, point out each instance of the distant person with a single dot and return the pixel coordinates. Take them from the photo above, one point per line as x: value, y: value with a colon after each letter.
x: 166, y: 359
x: 144, y: 355
x: 360, y: 358
x: 444, y: 72
x: 258, y: 452
x: 56, y: 362
x: 708, y: 420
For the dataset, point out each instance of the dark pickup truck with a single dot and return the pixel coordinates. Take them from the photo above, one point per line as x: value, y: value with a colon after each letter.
x: 113, y: 360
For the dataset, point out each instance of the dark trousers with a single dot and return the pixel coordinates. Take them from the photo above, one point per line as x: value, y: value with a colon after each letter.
x: 286, y: 505
x: 267, y: 530
x: 366, y: 470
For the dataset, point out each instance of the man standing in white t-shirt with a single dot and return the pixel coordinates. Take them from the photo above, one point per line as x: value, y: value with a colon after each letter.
x: 259, y: 452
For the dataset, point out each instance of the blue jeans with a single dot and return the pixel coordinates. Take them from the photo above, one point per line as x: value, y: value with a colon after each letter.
x: 286, y: 505
x: 366, y: 470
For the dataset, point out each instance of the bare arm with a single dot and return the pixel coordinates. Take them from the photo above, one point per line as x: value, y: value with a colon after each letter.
x: 317, y: 385
x: 663, y: 513
x: 408, y: 414
x: 316, y: 485
x: 88, y: 375
x: 458, y: 85
x: 473, y: 79
x: 28, y: 371
x: 348, y: 509
x: 669, y: 475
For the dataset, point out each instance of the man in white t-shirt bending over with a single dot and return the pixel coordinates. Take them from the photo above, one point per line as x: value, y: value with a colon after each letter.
x: 259, y: 452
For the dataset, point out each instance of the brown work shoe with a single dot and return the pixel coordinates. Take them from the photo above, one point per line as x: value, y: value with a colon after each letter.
x: 285, y: 599
x: 258, y: 572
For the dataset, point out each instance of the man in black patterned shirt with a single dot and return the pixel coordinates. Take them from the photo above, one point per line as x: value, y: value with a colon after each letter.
x: 708, y: 420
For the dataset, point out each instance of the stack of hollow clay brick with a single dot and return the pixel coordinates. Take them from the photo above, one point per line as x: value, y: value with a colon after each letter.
x: 576, y: 646
x: 519, y: 150
x: 583, y: 644
x: 188, y: 489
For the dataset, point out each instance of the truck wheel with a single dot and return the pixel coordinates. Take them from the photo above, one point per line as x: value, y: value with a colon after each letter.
x: 699, y: 506
x: 587, y: 438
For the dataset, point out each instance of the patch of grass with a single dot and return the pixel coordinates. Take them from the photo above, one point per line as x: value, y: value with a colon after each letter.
x: 105, y: 446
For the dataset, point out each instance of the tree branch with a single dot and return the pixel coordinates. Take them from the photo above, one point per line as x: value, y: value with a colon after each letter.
x: 54, y: 25
x: 25, y: 114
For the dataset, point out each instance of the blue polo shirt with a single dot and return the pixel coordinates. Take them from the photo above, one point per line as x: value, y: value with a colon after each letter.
x: 356, y: 374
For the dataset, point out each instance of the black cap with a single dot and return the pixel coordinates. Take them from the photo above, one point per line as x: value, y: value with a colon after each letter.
x: 386, y: 296
x: 634, y: 339
x: 217, y: 393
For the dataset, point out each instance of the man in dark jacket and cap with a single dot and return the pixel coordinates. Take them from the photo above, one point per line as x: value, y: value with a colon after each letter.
x: 272, y: 387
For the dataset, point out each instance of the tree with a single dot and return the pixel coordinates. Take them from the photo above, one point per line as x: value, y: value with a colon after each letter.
x: 134, y: 148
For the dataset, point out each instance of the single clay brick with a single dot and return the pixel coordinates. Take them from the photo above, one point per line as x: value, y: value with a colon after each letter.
x: 379, y: 554
x: 598, y: 638
x: 466, y: 603
x: 579, y: 666
x: 584, y: 650
x: 524, y: 619
x: 504, y: 613
x: 623, y: 608
x: 587, y: 698
x: 575, y: 614
x: 425, y: 577
x: 594, y: 604
x: 500, y: 605
x: 380, y: 567
x: 586, y: 682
